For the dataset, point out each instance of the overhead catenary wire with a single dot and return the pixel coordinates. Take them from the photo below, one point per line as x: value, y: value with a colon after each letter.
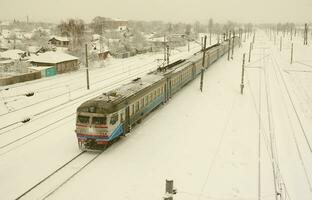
x: 294, y: 137
x: 293, y: 106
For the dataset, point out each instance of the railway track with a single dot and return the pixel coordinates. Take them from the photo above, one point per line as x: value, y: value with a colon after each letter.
x: 59, y: 177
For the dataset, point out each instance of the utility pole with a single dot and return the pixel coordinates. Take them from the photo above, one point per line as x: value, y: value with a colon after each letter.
x: 229, y: 47
x: 87, y: 67
x: 242, y: 78
x: 292, y: 53
x: 249, y: 52
x: 188, y: 45
x: 233, y: 42
x: 305, y: 35
x: 203, y: 65
x: 164, y: 50
x: 168, y: 54
x: 253, y: 39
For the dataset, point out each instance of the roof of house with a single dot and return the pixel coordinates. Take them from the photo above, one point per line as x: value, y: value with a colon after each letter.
x: 33, y: 49
x: 14, y: 54
x: 52, y: 57
x: 64, y: 39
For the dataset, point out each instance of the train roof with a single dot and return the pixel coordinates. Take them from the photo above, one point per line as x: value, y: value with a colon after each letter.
x: 111, y: 101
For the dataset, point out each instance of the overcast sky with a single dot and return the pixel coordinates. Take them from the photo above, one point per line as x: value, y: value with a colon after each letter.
x: 257, y: 11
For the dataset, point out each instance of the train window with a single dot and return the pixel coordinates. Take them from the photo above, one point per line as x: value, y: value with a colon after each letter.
x: 142, y: 102
x: 155, y: 94
x: 146, y: 100
x: 132, y: 109
x: 83, y: 119
x: 114, y: 119
x: 98, y: 120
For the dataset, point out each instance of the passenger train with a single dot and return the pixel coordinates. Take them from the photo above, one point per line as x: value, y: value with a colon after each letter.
x: 102, y: 120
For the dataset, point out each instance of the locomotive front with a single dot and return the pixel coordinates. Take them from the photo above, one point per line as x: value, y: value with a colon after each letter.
x: 97, y: 126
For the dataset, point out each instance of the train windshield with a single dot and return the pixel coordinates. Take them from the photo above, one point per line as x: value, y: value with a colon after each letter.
x: 83, y: 119
x: 99, y: 120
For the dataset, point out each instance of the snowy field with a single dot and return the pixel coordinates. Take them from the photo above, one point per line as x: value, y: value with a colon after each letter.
x: 209, y: 143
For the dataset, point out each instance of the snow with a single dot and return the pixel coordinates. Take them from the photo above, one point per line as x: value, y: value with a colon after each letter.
x: 207, y: 142
x: 59, y: 38
x: 52, y: 57
x: 13, y: 54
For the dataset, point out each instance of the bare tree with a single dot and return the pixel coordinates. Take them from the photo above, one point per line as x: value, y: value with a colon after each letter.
x: 73, y: 28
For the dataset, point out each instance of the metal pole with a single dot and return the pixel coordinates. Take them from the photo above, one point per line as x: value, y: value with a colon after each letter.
x: 233, y: 42
x: 164, y: 49
x: 203, y: 65
x: 249, y: 52
x: 168, y: 54
x: 242, y: 78
x: 87, y: 67
x: 229, y: 47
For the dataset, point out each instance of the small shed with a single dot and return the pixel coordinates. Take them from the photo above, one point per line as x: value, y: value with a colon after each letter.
x: 45, y: 71
x: 61, y: 61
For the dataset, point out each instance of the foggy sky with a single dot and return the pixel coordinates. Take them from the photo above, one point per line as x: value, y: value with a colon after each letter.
x: 256, y: 11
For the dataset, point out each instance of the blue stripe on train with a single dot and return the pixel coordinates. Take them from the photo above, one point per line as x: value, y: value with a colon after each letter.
x: 116, y: 133
x: 153, y: 104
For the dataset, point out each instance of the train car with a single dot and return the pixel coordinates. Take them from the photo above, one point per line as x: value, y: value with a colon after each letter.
x: 102, y: 120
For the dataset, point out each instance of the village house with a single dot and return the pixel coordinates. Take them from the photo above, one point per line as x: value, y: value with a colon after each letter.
x: 59, y: 41
x: 61, y: 61
x: 99, y: 49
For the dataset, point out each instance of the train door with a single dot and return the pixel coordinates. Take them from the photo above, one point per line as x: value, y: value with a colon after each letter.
x: 127, y: 125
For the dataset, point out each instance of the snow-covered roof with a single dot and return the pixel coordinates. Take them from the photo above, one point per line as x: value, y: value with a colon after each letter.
x: 33, y: 49
x: 2, y: 62
x: 14, y: 54
x: 64, y: 39
x: 52, y: 57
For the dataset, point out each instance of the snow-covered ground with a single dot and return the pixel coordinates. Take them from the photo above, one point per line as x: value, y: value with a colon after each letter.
x: 208, y: 142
